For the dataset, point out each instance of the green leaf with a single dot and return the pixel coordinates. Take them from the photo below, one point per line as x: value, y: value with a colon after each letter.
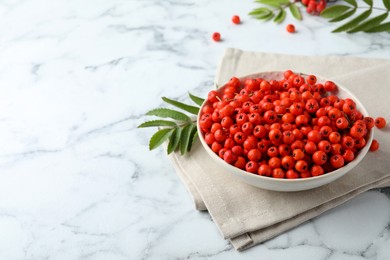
x: 334, y: 11
x: 185, y: 138
x: 353, y: 22
x: 280, y: 16
x: 343, y: 16
x: 269, y: 2
x: 192, y: 138
x: 166, y: 112
x: 264, y: 16
x: 157, y: 123
x: 268, y: 17
x: 351, y: 2
x: 159, y: 137
x: 369, y: 23
x: 258, y: 12
x: 283, y: 1
x: 369, y: 2
x: 384, y: 27
x: 174, y: 140
x: 185, y: 107
x: 199, y: 101
x: 295, y: 12
x: 386, y: 3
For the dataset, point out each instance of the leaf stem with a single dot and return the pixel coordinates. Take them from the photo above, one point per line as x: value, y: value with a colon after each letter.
x: 372, y: 7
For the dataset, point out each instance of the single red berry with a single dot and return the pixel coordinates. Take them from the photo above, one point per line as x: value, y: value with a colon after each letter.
x: 329, y: 85
x: 374, y: 145
x: 236, y: 19
x: 278, y: 173
x: 316, y: 170
x: 229, y: 157
x: 337, y: 161
x: 320, y: 157
x: 291, y: 174
x: 216, y: 36
x: 240, y: 163
x: 311, y: 79
x: 265, y: 170
x: 274, y: 162
x: 251, y: 167
x: 301, y: 166
x: 290, y: 28
x: 370, y: 123
x: 348, y: 155
x: 254, y: 155
x: 380, y: 122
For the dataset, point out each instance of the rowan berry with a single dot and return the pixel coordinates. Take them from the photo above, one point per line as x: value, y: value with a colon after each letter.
x: 320, y: 157
x: 278, y: 173
x: 324, y: 146
x: 374, y: 145
x: 337, y: 161
x: 254, y: 155
x: 311, y: 79
x: 236, y: 19
x: 301, y: 166
x: 240, y: 163
x: 348, y: 155
x: 229, y: 157
x: 265, y: 170
x: 380, y: 122
x: 251, y: 167
x: 291, y: 174
x: 290, y: 28
x: 342, y: 123
x: 370, y: 123
x: 316, y: 170
x: 274, y: 162
x: 216, y: 36
x: 288, y: 162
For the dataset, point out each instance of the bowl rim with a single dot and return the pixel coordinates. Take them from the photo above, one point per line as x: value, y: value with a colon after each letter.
x: 352, y: 164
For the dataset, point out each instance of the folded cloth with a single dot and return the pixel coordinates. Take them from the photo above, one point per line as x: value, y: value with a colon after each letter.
x: 248, y: 215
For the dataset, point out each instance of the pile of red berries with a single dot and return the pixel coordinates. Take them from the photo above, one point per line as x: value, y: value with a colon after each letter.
x: 289, y: 128
x: 313, y: 6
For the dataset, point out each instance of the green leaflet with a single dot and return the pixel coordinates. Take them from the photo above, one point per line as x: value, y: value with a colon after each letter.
x: 334, y: 11
x: 174, y: 140
x: 268, y: 2
x: 343, y: 16
x: 369, y: 23
x: 351, y: 2
x: 193, y: 135
x: 384, y: 27
x: 386, y: 3
x: 199, y: 101
x: 185, y: 138
x: 166, y: 112
x: 295, y: 12
x: 354, y: 22
x: 185, y: 107
x: 157, y: 123
x: 280, y: 16
x: 259, y: 11
x: 159, y: 137
x: 369, y: 2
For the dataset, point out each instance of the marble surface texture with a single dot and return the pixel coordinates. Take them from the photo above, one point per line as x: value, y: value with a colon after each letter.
x: 76, y: 178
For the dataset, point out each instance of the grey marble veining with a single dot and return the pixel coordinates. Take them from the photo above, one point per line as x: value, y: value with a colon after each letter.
x: 76, y: 178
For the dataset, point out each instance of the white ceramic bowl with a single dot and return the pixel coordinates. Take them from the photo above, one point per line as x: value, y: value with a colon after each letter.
x: 292, y: 184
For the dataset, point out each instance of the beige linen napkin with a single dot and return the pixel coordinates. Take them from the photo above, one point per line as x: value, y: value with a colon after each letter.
x: 247, y: 215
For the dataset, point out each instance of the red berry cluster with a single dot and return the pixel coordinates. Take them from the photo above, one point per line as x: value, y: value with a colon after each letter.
x: 289, y: 128
x: 314, y: 7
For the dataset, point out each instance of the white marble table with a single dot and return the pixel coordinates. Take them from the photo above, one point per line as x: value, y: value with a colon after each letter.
x: 76, y: 178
